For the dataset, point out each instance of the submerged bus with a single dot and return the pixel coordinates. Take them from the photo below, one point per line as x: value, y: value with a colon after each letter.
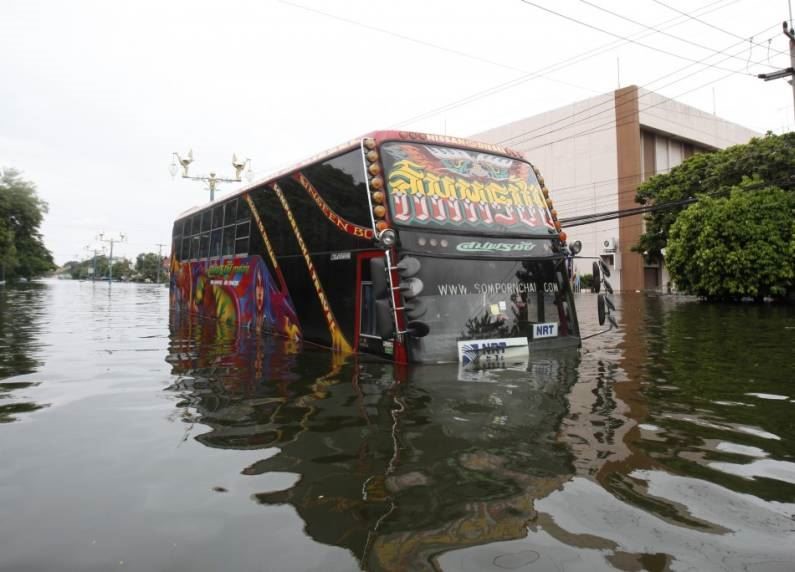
x: 413, y: 247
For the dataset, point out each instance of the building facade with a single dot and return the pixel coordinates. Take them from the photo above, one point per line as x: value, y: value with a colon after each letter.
x: 594, y: 153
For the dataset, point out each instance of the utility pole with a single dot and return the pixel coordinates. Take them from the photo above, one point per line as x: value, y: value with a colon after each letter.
x: 211, y: 180
x: 94, y: 252
x: 111, y: 240
x: 786, y: 72
x: 159, y: 259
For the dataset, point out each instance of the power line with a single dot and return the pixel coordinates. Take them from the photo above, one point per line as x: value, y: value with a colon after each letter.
x: 609, y: 101
x: 614, y: 122
x: 428, y: 44
x: 621, y: 213
x: 664, y: 33
x: 548, y: 69
x: 714, y: 27
x: 619, y: 36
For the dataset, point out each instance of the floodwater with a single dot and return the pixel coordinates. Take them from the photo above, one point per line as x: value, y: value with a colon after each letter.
x: 132, y: 441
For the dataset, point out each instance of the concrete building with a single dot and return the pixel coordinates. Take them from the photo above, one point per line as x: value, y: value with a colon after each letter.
x: 593, y: 154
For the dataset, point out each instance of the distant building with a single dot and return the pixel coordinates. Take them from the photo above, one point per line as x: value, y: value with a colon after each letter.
x: 593, y: 154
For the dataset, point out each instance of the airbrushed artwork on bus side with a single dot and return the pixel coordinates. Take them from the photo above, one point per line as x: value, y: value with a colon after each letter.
x: 239, y: 292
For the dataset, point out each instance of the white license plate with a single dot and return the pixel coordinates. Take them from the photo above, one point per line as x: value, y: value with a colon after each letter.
x: 470, y: 350
x: 547, y: 330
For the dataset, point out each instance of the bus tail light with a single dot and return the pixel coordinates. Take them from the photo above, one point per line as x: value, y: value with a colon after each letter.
x: 415, y: 308
x: 417, y: 329
x: 410, y: 287
x: 408, y: 266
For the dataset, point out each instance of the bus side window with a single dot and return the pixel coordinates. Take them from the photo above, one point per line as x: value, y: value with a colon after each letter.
x: 215, y: 243
x: 194, y: 247
x: 228, y: 248
x: 204, y: 245
x: 218, y: 217
x: 241, y: 238
x: 185, y: 249
x: 206, y: 220
x: 230, y: 212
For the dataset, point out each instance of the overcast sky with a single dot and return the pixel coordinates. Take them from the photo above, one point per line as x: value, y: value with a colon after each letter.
x: 95, y: 96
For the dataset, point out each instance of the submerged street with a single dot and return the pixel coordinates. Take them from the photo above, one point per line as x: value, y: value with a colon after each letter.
x: 134, y: 440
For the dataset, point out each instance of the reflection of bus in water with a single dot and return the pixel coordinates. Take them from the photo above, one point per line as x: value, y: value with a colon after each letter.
x: 412, y: 247
x: 396, y: 473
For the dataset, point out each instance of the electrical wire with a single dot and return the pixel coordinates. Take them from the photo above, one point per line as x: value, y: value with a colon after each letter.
x: 714, y: 27
x: 621, y: 213
x: 607, y: 103
x: 428, y: 44
x: 619, y: 36
x: 548, y: 69
x: 664, y: 33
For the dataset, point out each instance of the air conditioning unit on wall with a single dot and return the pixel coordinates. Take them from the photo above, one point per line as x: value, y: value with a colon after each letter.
x: 609, y: 244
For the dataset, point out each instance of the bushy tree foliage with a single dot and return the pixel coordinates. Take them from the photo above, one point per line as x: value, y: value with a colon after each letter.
x: 770, y: 160
x: 122, y: 268
x: 742, y: 245
x: 146, y: 265
x: 22, y: 250
x: 737, y: 240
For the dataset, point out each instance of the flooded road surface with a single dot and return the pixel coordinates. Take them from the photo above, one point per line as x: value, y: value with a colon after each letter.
x: 129, y: 441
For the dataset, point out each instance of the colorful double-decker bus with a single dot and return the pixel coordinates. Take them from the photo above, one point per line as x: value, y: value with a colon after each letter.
x: 413, y: 247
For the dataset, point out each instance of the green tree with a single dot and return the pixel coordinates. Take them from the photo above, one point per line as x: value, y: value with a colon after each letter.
x: 770, y: 160
x: 146, y: 265
x: 122, y: 269
x: 22, y: 250
x: 742, y: 245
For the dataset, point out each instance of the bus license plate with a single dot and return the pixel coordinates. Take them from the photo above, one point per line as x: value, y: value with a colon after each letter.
x: 548, y: 330
x: 497, y: 348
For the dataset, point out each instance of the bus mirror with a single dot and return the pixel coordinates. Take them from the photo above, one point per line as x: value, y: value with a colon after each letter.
x: 408, y: 266
x: 597, y: 277
x: 612, y: 321
x: 600, y: 308
x: 378, y: 278
x: 415, y: 308
x: 417, y: 329
x: 385, y: 324
x: 603, y: 267
x: 411, y: 287
x: 575, y: 247
x: 610, y: 305
x: 608, y: 287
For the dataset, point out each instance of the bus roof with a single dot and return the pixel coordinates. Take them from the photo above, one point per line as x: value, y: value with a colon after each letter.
x: 379, y: 136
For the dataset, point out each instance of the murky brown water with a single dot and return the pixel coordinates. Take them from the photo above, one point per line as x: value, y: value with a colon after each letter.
x: 129, y: 442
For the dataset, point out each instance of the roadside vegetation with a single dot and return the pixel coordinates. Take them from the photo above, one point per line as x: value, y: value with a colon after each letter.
x: 143, y: 270
x: 22, y: 251
x: 738, y: 240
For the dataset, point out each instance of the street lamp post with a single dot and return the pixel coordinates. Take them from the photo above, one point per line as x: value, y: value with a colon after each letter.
x: 112, y: 239
x: 212, y: 180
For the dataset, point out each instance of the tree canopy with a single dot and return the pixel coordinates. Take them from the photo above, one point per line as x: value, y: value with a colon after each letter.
x: 738, y: 239
x: 769, y: 160
x: 122, y: 268
x: 22, y: 250
x: 738, y: 246
x: 147, y: 264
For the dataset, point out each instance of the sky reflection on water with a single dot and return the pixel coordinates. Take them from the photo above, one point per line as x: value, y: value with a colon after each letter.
x: 135, y: 441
